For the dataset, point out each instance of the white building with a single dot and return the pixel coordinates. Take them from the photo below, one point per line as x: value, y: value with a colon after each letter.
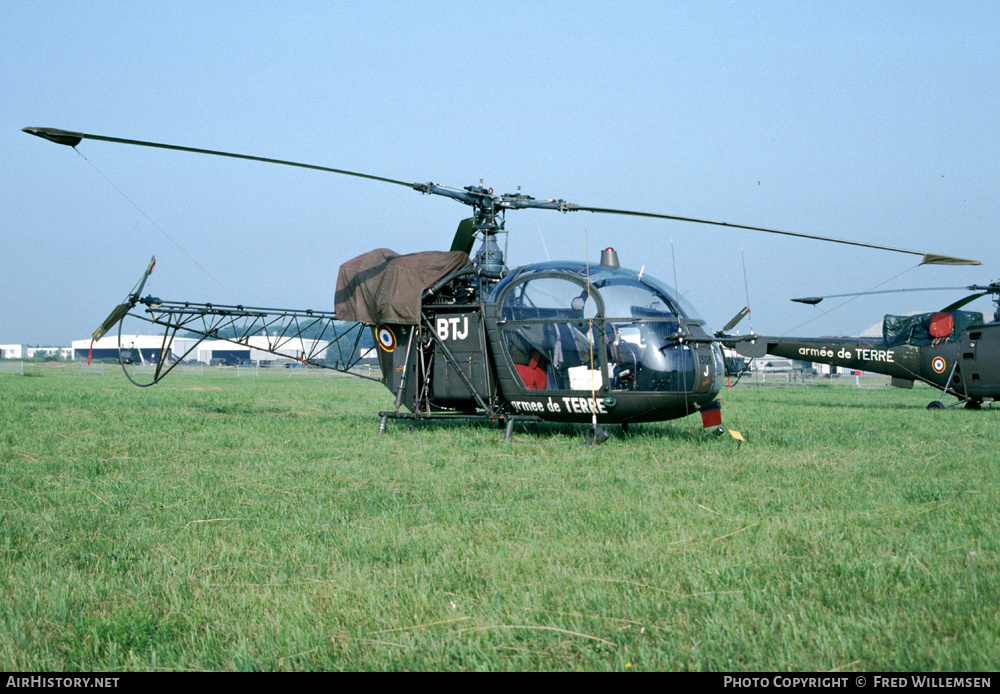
x: 222, y: 351
x: 771, y: 363
x: 149, y: 347
x: 10, y: 352
x: 42, y: 352
x: 207, y: 352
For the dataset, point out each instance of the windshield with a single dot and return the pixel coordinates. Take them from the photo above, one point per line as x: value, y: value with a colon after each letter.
x: 620, y: 286
x: 618, y: 334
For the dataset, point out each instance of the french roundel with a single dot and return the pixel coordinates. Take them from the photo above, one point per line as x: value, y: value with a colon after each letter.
x: 386, y: 338
x: 938, y: 364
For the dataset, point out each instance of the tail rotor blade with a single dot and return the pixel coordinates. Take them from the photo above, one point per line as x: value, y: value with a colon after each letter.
x: 736, y: 319
x: 122, y: 309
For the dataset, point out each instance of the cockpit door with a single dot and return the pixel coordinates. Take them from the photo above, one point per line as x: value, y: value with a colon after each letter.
x: 553, y: 333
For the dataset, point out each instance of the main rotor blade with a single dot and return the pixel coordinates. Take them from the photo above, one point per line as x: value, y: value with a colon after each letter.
x: 479, y: 197
x: 927, y: 258
x: 962, y: 302
x: 813, y: 300
x: 72, y: 139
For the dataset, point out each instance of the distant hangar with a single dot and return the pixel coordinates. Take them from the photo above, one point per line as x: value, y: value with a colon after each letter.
x: 208, y: 352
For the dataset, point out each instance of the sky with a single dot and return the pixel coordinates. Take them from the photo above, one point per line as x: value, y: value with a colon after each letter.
x: 871, y: 121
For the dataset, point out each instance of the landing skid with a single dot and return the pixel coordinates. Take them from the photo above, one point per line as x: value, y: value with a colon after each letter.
x: 595, y: 436
x: 969, y: 403
x: 507, y: 421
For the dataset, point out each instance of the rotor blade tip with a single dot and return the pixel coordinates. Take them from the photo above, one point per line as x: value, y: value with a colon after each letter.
x: 60, y: 137
x: 935, y: 259
x: 811, y: 300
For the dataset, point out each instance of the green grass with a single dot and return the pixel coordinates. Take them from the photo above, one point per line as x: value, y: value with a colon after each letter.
x: 217, y: 523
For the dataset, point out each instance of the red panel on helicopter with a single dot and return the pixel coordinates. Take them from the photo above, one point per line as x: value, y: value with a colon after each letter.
x: 711, y: 414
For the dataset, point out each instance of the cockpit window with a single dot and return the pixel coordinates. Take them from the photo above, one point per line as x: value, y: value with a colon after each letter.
x: 622, y: 335
x: 631, y: 299
x: 549, y: 297
x: 647, y: 292
x: 555, y: 356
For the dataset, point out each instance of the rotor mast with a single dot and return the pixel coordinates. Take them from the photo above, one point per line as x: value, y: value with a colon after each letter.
x: 489, y: 260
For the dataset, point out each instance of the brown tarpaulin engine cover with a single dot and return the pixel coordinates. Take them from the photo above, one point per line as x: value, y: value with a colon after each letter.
x: 382, y: 286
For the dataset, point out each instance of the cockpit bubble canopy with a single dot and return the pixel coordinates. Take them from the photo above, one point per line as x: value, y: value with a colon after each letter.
x: 544, y: 292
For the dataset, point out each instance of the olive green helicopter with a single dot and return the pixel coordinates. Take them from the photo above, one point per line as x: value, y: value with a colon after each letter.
x: 953, y: 350
x: 462, y: 336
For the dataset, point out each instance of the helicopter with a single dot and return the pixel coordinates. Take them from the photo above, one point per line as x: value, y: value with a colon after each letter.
x: 462, y: 336
x: 955, y: 351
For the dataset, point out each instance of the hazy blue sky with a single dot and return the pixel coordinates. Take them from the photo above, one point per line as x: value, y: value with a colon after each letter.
x: 873, y: 121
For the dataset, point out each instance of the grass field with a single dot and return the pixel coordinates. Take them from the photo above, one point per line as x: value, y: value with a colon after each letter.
x: 217, y: 523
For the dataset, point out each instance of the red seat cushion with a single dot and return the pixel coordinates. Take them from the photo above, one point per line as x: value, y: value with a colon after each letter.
x: 533, y: 376
x: 941, y: 325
